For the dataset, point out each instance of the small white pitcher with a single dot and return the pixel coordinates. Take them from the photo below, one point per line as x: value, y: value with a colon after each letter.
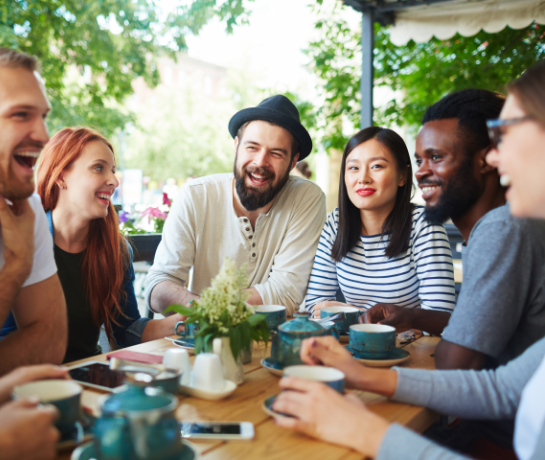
x: 231, y: 370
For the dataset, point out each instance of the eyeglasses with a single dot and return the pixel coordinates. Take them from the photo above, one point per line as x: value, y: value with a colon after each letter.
x: 495, y: 131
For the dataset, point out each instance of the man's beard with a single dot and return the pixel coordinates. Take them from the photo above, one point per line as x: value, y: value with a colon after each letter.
x: 458, y: 196
x: 253, y: 198
x: 12, y: 189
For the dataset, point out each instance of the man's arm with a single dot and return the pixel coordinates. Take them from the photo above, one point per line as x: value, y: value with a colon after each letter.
x: 40, y: 313
x: 450, y: 355
x: 167, y: 293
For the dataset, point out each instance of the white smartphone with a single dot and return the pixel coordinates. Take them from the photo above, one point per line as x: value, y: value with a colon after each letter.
x: 95, y: 374
x: 217, y: 430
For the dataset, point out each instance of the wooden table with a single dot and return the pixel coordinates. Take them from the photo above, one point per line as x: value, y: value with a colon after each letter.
x: 271, y: 442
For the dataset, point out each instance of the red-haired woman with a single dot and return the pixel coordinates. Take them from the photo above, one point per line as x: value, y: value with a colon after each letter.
x: 75, y: 180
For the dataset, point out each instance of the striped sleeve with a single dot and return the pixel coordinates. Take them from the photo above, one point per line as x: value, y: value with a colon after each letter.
x: 434, y: 269
x: 323, y: 282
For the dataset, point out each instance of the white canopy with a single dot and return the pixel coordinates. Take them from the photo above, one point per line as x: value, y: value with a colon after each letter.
x: 467, y: 17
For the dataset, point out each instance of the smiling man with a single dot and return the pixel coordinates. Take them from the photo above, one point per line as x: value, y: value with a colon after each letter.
x: 29, y: 286
x: 259, y: 216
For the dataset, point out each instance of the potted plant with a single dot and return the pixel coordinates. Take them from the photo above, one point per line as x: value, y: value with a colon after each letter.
x: 222, y: 312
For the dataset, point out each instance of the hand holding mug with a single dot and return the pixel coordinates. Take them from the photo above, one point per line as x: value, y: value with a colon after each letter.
x: 328, y: 351
x: 27, y: 431
x: 321, y: 412
x: 27, y: 374
x: 389, y: 315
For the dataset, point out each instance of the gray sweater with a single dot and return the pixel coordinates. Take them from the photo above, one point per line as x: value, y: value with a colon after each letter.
x: 483, y: 395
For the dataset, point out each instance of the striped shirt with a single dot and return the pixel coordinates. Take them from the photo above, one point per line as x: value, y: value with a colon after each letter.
x: 421, y: 277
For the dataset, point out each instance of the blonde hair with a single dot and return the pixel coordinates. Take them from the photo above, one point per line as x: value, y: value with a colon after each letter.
x: 15, y: 59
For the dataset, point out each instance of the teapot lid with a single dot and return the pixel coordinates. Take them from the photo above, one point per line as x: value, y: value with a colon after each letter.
x: 301, y: 323
x: 139, y: 398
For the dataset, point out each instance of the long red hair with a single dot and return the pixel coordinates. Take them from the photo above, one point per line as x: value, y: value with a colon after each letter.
x: 106, y: 256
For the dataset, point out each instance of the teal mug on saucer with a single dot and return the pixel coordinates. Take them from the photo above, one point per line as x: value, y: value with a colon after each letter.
x: 189, y: 330
x: 372, y: 341
x: 332, y: 377
x: 351, y: 314
x: 65, y: 395
x: 275, y: 315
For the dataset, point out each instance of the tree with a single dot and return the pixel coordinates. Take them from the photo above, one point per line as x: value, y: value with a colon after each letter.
x: 421, y: 72
x: 108, y: 42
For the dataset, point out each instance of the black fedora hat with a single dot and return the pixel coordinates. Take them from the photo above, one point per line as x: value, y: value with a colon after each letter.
x: 280, y: 111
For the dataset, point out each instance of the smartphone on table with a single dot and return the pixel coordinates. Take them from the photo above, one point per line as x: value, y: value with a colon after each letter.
x: 98, y: 375
x: 217, y: 430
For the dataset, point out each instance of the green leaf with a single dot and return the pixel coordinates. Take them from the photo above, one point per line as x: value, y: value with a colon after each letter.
x: 181, y: 309
x: 256, y: 319
x: 199, y: 345
x: 235, y: 339
x: 208, y: 339
x: 245, y: 334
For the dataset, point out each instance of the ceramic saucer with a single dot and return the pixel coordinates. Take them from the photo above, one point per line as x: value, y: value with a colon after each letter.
x: 185, y: 344
x: 273, y: 368
x: 82, y: 432
x: 88, y: 452
x: 190, y: 390
x: 267, y: 407
x: 397, y: 356
x: 344, y: 337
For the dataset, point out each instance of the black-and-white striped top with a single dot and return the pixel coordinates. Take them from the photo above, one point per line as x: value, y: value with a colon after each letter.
x: 422, y: 277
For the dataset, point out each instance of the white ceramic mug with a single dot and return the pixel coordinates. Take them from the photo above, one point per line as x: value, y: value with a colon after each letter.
x: 177, y: 358
x: 207, y: 372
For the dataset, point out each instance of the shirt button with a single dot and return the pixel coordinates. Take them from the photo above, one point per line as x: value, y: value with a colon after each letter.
x: 253, y: 255
x: 247, y: 229
x: 245, y: 220
x: 250, y: 237
x: 253, y: 245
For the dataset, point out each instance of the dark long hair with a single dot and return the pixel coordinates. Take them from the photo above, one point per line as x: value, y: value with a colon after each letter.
x: 399, y: 221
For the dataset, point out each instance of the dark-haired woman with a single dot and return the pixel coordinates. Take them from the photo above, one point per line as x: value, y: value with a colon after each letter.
x: 376, y: 246
x: 75, y: 180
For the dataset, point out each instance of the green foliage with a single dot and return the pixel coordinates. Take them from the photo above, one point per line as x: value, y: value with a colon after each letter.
x: 222, y: 311
x: 421, y: 73
x: 111, y: 42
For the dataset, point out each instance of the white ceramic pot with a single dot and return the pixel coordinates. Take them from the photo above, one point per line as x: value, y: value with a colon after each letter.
x: 232, y: 370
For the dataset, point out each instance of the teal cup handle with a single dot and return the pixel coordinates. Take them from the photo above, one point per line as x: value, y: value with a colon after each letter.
x: 372, y: 341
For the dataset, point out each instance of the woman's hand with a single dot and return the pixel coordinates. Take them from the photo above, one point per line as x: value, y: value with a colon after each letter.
x: 328, y: 351
x: 27, y: 374
x: 321, y: 412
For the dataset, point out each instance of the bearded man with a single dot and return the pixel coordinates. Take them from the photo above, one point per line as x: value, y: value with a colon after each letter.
x: 259, y: 216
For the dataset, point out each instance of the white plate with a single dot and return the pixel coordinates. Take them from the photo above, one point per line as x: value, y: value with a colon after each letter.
x: 206, y: 394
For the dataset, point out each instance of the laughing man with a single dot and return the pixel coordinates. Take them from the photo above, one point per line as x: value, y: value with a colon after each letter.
x: 260, y: 216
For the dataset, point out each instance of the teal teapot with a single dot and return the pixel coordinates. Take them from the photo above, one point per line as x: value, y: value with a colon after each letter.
x: 138, y: 423
x: 286, y: 343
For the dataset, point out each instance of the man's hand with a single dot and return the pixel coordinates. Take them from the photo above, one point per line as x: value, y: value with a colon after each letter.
x: 321, y: 412
x: 328, y: 351
x: 29, y: 374
x: 17, y: 226
x: 390, y: 315
x: 27, y: 432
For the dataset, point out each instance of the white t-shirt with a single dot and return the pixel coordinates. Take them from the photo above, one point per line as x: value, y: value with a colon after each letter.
x: 43, y: 264
x: 530, y: 415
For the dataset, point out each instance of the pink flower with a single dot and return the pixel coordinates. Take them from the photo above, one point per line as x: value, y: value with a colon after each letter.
x: 166, y: 200
x: 154, y: 213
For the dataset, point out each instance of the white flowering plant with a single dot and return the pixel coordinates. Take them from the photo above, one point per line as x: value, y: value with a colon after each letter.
x: 222, y: 311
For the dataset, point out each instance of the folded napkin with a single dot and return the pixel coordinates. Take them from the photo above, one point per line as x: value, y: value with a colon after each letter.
x: 136, y: 357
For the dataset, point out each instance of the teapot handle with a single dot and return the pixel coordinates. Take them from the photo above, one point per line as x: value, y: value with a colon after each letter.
x: 216, y: 346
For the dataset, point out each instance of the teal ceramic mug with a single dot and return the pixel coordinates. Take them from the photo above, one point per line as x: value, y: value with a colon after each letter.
x: 372, y: 341
x: 351, y: 314
x: 189, y: 330
x: 332, y: 377
x: 275, y: 315
x: 65, y: 395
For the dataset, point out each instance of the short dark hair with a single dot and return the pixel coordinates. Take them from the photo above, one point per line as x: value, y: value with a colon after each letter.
x: 399, y: 221
x: 295, y: 147
x: 15, y: 59
x: 472, y: 107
